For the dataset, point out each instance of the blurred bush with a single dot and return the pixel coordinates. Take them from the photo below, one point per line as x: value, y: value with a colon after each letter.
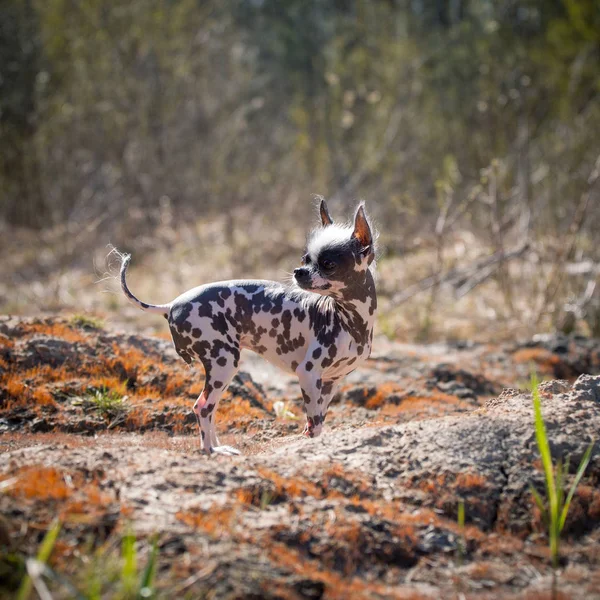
x: 214, y: 104
x: 454, y: 114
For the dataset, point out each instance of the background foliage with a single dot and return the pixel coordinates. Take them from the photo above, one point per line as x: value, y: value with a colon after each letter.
x: 447, y: 115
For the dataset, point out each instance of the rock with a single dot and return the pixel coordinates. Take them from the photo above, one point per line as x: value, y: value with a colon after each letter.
x: 449, y: 379
x: 485, y: 458
x: 556, y: 386
x: 308, y: 588
x: 244, y: 387
x: 587, y: 387
x: 40, y: 425
x: 46, y: 350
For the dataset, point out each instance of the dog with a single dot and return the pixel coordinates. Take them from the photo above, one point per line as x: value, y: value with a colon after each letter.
x: 320, y: 327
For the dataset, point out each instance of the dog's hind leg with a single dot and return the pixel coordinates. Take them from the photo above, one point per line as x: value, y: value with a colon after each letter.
x: 218, y: 377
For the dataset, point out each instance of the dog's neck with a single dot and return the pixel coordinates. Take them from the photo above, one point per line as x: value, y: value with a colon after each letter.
x: 356, y: 307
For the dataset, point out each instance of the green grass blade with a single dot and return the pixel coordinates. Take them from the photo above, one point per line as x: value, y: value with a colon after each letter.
x: 42, y: 556
x: 560, y: 484
x: 544, y: 448
x: 585, y: 461
x: 538, y: 500
x: 145, y: 589
x: 129, y: 568
x: 461, y: 545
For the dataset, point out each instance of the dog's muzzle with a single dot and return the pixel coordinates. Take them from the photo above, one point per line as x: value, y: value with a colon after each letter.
x: 303, y: 276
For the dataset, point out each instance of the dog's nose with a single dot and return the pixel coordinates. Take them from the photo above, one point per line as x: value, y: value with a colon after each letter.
x: 301, y: 273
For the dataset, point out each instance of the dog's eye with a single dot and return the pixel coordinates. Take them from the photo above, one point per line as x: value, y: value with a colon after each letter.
x: 328, y: 265
x: 306, y: 259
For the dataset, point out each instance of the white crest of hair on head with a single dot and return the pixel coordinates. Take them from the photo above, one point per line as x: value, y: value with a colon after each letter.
x: 328, y: 236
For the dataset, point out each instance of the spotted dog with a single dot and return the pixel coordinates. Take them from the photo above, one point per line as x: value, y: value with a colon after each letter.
x: 320, y: 328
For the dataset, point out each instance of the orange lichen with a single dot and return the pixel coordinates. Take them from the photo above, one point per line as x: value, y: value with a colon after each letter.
x: 90, y: 502
x: 47, y: 373
x: 111, y: 384
x: 147, y: 392
x: 542, y: 357
x: 55, y: 329
x: 41, y: 483
x: 217, y: 520
x: 291, y: 488
x: 470, y: 480
x: 177, y: 384
x: 6, y: 342
x: 15, y: 387
x: 42, y: 397
x: 231, y: 411
x: 337, y: 586
x: 436, y: 402
x: 380, y: 397
x: 244, y: 496
x: 450, y: 481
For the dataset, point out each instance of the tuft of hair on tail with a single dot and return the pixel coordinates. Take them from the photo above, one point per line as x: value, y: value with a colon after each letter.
x: 160, y: 309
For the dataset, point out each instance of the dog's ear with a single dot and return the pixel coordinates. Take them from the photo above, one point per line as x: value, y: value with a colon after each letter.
x: 362, y: 230
x: 325, y: 217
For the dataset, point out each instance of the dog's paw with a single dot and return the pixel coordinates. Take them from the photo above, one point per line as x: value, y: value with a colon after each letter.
x: 225, y: 450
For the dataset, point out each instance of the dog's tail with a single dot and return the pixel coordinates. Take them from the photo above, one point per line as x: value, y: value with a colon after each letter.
x: 161, y: 309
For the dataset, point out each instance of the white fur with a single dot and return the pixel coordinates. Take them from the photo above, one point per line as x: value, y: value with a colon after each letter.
x: 326, y: 236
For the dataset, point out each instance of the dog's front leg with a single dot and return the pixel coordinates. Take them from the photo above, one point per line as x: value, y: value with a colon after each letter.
x: 311, y: 384
x: 204, y: 425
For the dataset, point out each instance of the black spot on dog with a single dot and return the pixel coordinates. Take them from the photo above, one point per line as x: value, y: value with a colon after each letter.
x: 221, y: 361
x: 207, y: 410
x: 219, y: 323
x: 305, y: 397
x: 201, y: 348
x: 205, y: 309
x: 317, y: 352
x: 327, y: 387
x: 218, y: 384
x: 299, y: 314
x: 308, y: 366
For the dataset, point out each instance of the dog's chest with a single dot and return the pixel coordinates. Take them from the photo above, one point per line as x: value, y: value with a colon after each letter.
x: 343, y: 356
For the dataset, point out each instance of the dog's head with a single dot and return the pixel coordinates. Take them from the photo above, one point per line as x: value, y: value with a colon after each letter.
x: 337, y: 257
